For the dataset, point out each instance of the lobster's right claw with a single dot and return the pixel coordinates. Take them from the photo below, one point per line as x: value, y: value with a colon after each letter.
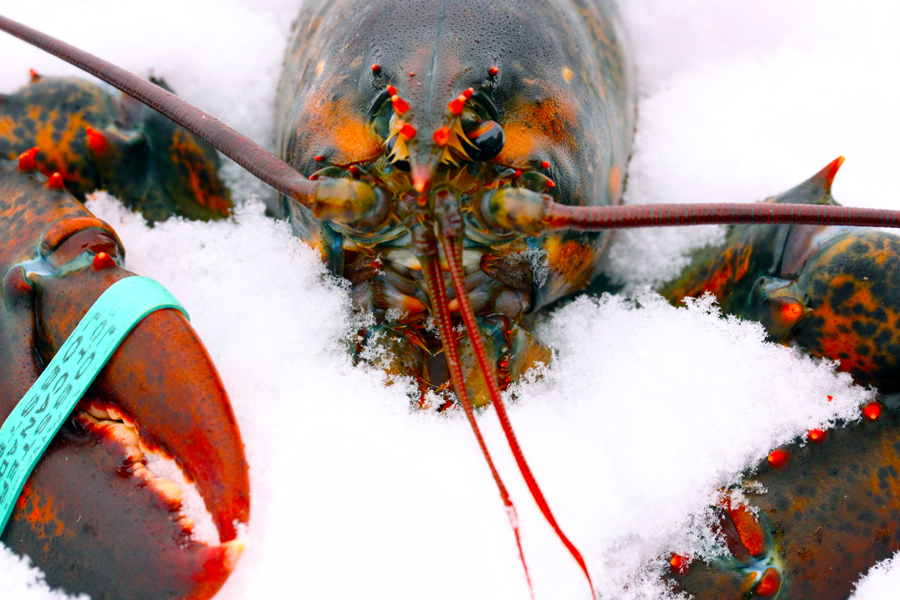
x: 92, y: 516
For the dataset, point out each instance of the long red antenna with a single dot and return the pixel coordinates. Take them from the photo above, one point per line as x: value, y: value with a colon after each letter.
x: 254, y: 158
x: 451, y: 229
x: 427, y: 255
x: 453, y: 252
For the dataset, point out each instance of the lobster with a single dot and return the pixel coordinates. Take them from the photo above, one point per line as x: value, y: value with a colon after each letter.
x: 300, y: 222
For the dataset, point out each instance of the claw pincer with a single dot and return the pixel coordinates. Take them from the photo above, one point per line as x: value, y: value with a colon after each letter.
x: 92, y: 516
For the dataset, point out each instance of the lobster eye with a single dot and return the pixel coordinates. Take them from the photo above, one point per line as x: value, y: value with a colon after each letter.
x: 487, y: 139
x: 381, y: 116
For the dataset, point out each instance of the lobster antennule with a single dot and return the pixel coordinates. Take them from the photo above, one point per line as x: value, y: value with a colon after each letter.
x: 251, y: 156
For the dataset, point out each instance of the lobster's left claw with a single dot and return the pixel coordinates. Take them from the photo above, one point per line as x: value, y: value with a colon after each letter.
x: 92, y: 516
x: 162, y: 377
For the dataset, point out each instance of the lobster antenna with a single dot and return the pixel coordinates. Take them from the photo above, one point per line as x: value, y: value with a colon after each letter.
x: 451, y: 231
x: 453, y: 252
x: 533, y: 214
x: 427, y: 255
x: 597, y: 218
x: 248, y: 154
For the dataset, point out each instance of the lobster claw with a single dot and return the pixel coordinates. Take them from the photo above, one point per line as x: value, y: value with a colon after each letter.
x: 92, y: 516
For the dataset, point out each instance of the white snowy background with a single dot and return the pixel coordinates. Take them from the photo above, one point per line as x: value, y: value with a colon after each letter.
x: 647, y: 411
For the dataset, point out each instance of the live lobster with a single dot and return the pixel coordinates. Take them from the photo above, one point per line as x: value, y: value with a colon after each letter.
x: 395, y: 103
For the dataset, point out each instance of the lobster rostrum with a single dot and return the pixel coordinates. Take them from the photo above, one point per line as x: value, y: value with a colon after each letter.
x: 406, y: 177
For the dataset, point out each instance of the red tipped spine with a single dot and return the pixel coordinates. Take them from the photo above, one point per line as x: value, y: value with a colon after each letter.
x: 102, y: 261
x: 457, y: 105
x: 27, y: 160
x: 96, y: 141
x: 442, y: 136
x: 407, y: 131
x: 778, y: 458
x: 401, y: 106
x: 872, y: 410
x: 56, y: 182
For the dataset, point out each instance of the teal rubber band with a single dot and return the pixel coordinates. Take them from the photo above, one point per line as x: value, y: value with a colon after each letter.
x: 35, y: 420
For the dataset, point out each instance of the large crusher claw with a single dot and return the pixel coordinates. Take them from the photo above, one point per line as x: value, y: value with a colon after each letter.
x: 92, y: 516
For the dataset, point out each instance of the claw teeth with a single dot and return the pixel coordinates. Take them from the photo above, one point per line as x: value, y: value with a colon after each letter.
x: 187, y: 524
x: 96, y: 409
x: 117, y: 415
x: 86, y: 420
x: 126, y: 436
x: 169, y: 490
x: 169, y: 483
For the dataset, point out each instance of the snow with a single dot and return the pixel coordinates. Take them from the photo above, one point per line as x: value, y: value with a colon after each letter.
x: 22, y: 581
x: 648, y: 409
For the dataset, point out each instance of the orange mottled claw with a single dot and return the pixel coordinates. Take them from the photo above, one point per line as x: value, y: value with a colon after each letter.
x: 92, y: 516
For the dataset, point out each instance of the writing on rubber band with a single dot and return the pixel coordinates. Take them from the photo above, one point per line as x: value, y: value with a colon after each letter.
x: 37, y: 418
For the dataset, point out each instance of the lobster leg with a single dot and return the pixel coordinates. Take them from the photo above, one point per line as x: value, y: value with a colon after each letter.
x: 829, y: 513
x: 833, y: 291
x: 101, y: 140
x: 92, y: 516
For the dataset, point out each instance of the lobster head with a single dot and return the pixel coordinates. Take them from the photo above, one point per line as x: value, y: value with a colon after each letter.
x: 420, y: 118
x: 92, y: 515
